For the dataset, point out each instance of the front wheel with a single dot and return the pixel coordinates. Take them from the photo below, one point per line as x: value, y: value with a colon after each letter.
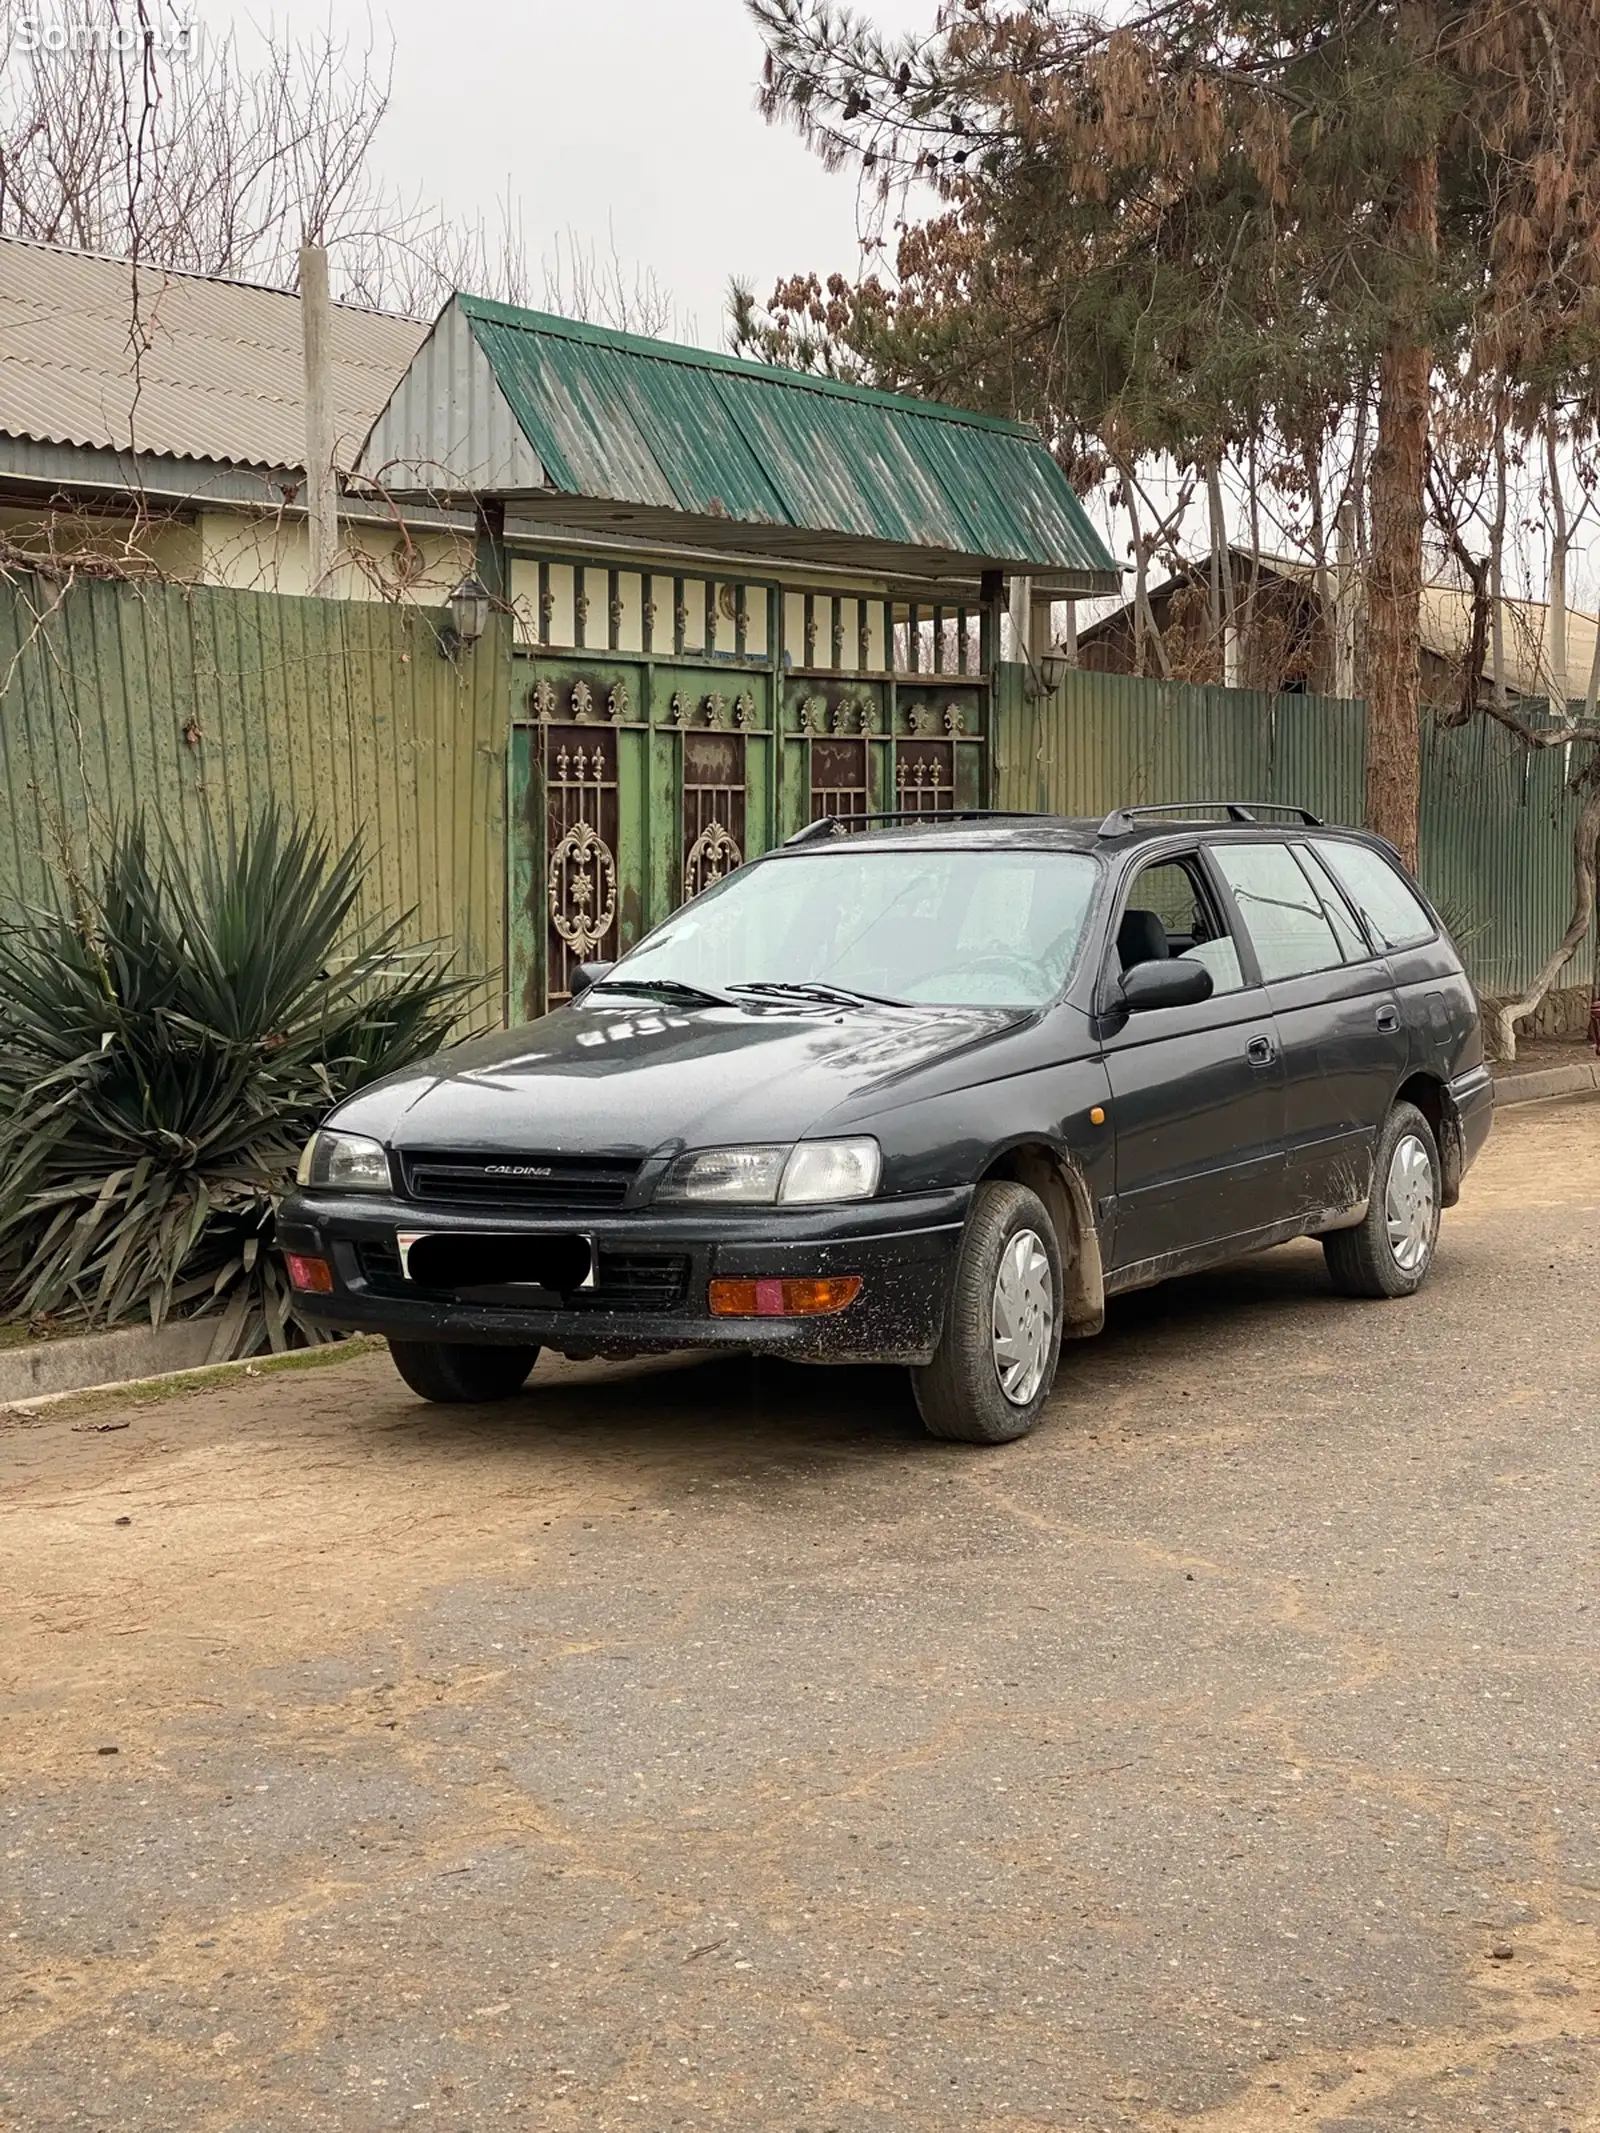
x: 996, y: 1361
x: 1390, y: 1251
x: 450, y: 1372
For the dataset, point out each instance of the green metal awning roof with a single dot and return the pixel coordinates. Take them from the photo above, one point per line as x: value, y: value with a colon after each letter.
x: 611, y: 432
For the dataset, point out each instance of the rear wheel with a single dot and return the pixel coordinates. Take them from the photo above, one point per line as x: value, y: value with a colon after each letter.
x: 1390, y: 1251
x: 452, y: 1373
x: 996, y: 1360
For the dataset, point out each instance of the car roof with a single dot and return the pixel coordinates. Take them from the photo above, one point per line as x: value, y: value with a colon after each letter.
x: 982, y: 829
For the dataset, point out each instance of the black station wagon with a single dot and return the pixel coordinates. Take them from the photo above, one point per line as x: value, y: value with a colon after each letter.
x: 925, y: 1093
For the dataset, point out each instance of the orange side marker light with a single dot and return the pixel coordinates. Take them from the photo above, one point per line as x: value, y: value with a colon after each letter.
x: 315, y: 1276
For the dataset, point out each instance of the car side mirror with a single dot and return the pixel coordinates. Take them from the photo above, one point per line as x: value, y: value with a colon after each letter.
x: 1178, y: 983
x: 586, y: 974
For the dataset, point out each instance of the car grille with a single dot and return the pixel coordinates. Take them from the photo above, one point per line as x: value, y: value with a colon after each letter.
x: 556, y: 1181
x: 624, y: 1281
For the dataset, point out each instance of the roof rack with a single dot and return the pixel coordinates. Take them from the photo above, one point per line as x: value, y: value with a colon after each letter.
x: 842, y: 825
x: 1122, y: 821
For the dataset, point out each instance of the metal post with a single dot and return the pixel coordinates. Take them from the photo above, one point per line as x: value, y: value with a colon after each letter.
x: 489, y: 550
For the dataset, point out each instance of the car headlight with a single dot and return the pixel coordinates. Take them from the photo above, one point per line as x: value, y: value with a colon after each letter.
x: 831, y: 1170
x: 732, y: 1175
x: 344, y: 1162
x: 808, y: 1174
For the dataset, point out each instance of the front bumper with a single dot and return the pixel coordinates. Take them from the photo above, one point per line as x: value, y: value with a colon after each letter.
x: 904, y: 1250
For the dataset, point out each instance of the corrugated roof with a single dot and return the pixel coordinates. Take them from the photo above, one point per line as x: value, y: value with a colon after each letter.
x: 672, y: 432
x: 221, y: 379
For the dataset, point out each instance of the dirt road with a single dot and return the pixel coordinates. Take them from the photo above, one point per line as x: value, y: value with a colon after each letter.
x: 697, y: 1745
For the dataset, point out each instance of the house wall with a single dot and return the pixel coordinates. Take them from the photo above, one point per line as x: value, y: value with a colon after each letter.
x: 165, y: 546
x: 253, y: 553
x: 250, y: 551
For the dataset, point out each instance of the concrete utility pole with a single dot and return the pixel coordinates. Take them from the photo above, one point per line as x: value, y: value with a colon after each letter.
x: 322, y: 489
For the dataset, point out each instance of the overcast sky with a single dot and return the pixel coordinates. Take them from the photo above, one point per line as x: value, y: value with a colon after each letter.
x: 622, y: 122
x: 631, y: 120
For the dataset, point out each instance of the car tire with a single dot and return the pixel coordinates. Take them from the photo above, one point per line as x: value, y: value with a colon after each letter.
x: 455, y: 1374
x: 1390, y: 1250
x: 1002, y: 1323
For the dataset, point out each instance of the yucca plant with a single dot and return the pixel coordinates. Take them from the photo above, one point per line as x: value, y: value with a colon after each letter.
x: 169, y: 1036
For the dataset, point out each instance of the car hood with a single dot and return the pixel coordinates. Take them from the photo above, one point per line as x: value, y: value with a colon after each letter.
x: 627, y: 1077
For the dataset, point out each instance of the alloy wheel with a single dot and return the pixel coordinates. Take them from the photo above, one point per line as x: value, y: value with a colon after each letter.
x: 1409, y: 1204
x: 1024, y: 1317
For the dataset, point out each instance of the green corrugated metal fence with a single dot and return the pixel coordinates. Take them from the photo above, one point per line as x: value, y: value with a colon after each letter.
x: 188, y: 701
x: 1497, y: 821
x: 184, y: 701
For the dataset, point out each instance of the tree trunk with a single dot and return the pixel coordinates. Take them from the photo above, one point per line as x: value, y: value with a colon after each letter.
x: 1222, y: 625
x: 1398, y: 476
x: 1585, y: 840
x: 1321, y: 658
x: 1346, y: 582
x: 1560, y: 549
x: 1497, y: 563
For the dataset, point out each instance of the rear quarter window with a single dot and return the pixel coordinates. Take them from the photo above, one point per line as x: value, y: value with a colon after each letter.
x: 1390, y: 907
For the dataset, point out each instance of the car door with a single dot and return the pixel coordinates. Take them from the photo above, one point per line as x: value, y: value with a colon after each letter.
x: 1337, y: 1017
x: 1437, y: 1006
x: 1197, y: 1105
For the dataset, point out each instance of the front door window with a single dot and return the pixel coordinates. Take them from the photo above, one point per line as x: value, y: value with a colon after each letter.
x: 1170, y: 912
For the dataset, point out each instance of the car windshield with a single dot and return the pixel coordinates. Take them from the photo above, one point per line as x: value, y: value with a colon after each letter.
x: 937, y: 927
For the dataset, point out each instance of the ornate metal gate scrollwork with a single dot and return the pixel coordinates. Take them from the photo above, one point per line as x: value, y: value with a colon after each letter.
x: 712, y: 855
x: 925, y: 777
x: 713, y: 807
x: 582, y: 890
x: 582, y: 887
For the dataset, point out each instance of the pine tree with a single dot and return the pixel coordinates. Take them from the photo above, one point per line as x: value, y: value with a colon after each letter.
x: 1159, y: 233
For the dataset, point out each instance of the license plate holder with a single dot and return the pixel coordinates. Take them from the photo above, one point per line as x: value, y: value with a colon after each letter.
x: 554, y: 1264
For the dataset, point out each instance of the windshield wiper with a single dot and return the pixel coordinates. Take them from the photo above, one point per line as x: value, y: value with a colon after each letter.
x: 840, y: 994
x: 668, y: 989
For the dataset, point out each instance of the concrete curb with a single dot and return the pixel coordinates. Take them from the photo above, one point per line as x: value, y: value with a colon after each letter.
x: 295, y: 1361
x: 89, y: 1360
x: 1515, y: 1088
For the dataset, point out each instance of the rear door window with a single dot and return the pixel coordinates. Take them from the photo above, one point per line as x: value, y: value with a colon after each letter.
x: 1393, y: 914
x: 1282, y: 912
x: 1336, y: 905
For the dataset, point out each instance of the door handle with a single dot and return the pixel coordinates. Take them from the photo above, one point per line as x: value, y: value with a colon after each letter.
x: 1388, y: 1020
x: 1260, y: 1051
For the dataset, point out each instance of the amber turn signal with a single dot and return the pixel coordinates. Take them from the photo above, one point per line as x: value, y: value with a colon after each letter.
x: 812, y: 1298
x: 314, y: 1275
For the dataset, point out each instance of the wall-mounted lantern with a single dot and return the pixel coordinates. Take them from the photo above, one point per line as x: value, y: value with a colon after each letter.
x: 469, y: 616
x: 1047, y: 673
